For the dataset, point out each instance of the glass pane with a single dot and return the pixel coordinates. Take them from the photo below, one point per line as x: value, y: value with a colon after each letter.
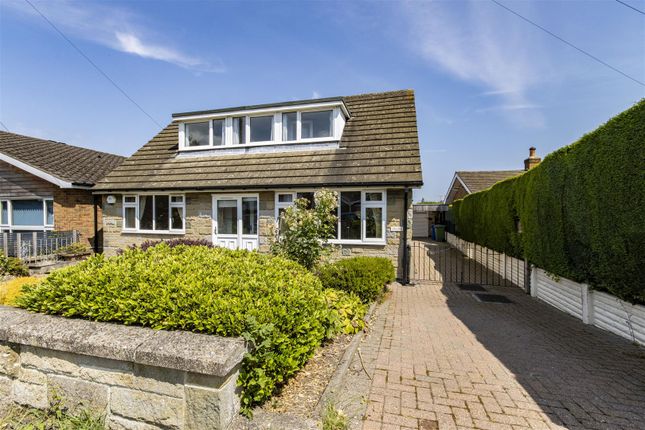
x: 50, y: 211
x: 261, y: 128
x: 285, y: 198
x: 249, y: 215
x: 374, y: 197
x: 177, y: 199
x: 289, y: 124
x: 177, y: 219
x: 27, y: 212
x: 350, y: 215
x: 280, y: 214
x: 309, y: 197
x: 130, y: 218
x: 239, y: 130
x: 5, y: 213
x: 129, y: 199
x: 374, y: 223
x: 227, y: 216
x: 161, y: 213
x: 145, y: 212
x: 197, y: 134
x: 316, y: 124
x: 218, y: 132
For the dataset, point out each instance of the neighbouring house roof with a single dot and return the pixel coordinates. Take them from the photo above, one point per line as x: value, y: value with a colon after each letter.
x: 64, y: 165
x: 468, y: 182
x: 478, y: 181
x: 379, y: 146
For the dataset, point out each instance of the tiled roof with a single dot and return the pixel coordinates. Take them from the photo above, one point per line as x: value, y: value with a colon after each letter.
x: 478, y: 181
x: 379, y: 146
x: 73, y: 164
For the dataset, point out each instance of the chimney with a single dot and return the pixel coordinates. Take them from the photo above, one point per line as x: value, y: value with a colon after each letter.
x: 533, y: 160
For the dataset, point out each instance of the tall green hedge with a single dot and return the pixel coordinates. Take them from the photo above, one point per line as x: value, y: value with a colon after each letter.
x: 581, y: 211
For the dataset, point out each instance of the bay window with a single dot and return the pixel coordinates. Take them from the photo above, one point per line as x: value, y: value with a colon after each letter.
x: 153, y: 213
x: 361, y: 214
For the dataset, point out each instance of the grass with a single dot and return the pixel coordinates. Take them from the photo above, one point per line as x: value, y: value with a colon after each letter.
x: 333, y: 418
x: 10, y: 290
x: 55, y: 418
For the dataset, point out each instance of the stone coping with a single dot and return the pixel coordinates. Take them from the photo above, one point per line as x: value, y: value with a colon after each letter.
x: 180, y: 350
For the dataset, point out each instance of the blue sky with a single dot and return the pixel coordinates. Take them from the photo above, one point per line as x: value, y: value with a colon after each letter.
x: 488, y: 85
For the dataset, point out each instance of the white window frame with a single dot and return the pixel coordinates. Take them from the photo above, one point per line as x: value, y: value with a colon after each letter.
x: 9, y: 225
x: 338, y: 118
x: 171, y: 205
x: 364, y: 204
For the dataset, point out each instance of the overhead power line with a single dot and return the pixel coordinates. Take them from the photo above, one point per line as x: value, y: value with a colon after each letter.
x: 4, y: 126
x: 631, y: 7
x: 569, y: 43
x: 89, y: 60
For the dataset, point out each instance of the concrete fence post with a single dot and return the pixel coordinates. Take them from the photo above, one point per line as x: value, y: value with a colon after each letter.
x: 587, y: 304
x: 19, y: 245
x: 5, y: 243
x: 34, y: 244
x: 533, y: 284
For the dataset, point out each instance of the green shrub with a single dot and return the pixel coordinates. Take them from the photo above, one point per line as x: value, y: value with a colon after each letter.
x: 580, y: 210
x: 364, y: 276
x: 13, y: 266
x: 346, y: 312
x: 276, y: 304
x: 76, y: 248
x: 304, y: 230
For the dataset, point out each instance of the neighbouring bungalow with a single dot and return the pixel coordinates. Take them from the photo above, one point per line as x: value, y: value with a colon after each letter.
x: 46, y: 186
x: 462, y: 184
x: 225, y: 175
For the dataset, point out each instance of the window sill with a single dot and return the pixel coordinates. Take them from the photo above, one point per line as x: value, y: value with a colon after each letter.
x: 164, y: 232
x: 358, y: 242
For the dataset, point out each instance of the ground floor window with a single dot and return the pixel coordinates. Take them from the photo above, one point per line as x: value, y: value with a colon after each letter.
x: 27, y: 214
x: 361, y: 214
x: 154, y: 213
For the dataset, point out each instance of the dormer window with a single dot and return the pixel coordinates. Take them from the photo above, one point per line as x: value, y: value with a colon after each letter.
x: 321, y: 122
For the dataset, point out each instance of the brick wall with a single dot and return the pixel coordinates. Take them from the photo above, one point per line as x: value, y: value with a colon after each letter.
x: 74, y: 210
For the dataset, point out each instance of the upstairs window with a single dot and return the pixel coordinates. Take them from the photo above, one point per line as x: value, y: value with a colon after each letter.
x: 197, y: 134
x: 261, y: 129
x: 316, y: 124
x: 264, y: 127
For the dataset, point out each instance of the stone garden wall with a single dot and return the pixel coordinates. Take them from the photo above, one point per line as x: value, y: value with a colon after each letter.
x: 137, y: 378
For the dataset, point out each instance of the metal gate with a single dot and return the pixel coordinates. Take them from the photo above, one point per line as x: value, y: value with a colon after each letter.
x: 440, y: 262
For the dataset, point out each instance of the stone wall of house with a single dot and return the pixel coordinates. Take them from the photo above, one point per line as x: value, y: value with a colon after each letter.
x: 74, y: 210
x: 199, y: 225
x: 137, y: 378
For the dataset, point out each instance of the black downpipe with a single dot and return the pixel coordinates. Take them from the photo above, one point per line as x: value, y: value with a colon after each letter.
x: 96, y: 224
x: 406, y: 251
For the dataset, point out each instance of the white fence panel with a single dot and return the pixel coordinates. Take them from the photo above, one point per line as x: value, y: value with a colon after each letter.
x: 563, y: 294
x: 619, y: 317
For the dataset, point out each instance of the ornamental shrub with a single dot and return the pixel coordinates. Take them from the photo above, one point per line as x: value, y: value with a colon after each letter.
x: 304, y: 230
x: 171, y: 243
x: 13, y: 266
x: 366, y: 277
x: 276, y: 304
x: 580, y: 210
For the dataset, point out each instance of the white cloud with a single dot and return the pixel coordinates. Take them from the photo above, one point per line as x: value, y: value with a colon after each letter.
x: 114, y: 27
x: 477, y: 43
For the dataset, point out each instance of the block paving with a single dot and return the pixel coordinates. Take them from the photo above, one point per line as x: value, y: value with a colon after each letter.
x: 436, y: 358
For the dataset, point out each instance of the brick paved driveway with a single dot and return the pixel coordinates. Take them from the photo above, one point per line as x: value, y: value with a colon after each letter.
x: 440, y: 359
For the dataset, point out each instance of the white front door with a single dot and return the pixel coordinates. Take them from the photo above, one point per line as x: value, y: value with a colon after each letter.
x: 235, y: 221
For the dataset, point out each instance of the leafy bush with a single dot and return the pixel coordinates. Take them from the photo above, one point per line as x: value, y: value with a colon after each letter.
x: 13, y: 266
x: 364, y: 276
x: 171, y: 243
x: 580, y: 210
x: 304, y: 231
x: 75, y: 249
x: 10, y: 290
x: 276, y: 304
x: 346, y: 312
